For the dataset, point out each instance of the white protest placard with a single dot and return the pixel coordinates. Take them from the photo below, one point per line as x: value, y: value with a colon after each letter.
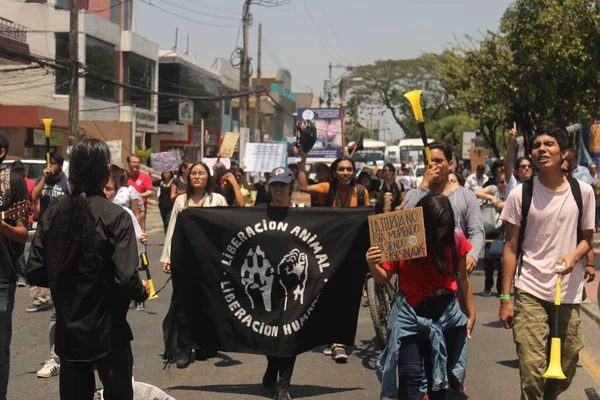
x: 211, y: 161
x: 115, y: 147
x: 264, y: 157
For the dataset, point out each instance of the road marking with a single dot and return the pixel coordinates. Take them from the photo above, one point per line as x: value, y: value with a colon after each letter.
x: 590, y: 366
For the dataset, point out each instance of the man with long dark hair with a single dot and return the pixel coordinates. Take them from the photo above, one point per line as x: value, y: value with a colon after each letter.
x: 12, y: 190
x: 85, y: 251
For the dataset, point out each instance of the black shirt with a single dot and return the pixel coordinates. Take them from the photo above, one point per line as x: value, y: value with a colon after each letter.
x: 9, y: 251
x: 92, y: 299
x: 395, y: 191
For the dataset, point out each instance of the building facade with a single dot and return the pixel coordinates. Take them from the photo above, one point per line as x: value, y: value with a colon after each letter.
x: 118, y: 74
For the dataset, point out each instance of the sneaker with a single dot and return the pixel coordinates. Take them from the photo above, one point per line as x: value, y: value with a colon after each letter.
x: 182, y: 358
x: 204, y: 354
x: 328, y: 351
x: 21, y: 282
x: 50, y: 368
x: 487, y: 292
x: 140, y: 307
x: 42, y: 303
x: 282, y: 394
x: 339, y: 355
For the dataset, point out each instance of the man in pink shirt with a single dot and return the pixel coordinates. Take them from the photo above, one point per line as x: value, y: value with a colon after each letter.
x: 141, y: 182
x: 551, y: 239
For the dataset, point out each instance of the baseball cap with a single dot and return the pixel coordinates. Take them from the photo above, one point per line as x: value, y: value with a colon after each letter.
x: 18, y: 164
x: 282, y: 175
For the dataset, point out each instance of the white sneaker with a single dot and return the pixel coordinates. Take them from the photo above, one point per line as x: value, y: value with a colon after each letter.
x: 51, y: 368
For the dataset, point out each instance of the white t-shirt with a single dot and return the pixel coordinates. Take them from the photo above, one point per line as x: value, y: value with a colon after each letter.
x: 475, y: 184
x: 125, y: 195
x: 551, y: 233
x: 511, y: 184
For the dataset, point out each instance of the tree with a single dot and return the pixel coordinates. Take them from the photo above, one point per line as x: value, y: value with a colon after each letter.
x: 384, y: 83
x: 555, y: 45
x: 450, y: 129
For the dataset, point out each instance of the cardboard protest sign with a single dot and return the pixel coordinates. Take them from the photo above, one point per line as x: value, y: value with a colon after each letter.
x: 400, y: 235
x: 165, y: 161
x: 478, y: 157
x: 228, y: 144
x: 211, y: 161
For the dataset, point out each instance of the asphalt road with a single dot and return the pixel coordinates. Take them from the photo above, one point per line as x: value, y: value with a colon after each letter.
x: 492, y: 368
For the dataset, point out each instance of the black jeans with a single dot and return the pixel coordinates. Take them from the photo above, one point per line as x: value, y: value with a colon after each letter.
x: 284, y: 366
x: 415, y: 352
x: 115, y: 371
x: 489, y: 266
x: 7, y: 303
x: 165, y: 213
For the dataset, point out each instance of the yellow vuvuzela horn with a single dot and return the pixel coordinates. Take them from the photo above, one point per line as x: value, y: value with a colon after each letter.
x: 414, y: 98
x: 47, y: 124
x: 554, y: 370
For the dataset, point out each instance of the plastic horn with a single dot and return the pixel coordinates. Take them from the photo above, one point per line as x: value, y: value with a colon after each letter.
x: 415, y: 101
x: 554, y: 370
x: 146, y: 266
x: 47, y: 123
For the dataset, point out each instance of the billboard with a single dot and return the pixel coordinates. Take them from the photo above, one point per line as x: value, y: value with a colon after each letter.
x: 328, y: 122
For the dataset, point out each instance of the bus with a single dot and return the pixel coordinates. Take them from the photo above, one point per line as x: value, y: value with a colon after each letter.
x: 373, y: 152
x: 411, y: 151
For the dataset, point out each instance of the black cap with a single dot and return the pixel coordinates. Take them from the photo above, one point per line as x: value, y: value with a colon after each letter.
x: 18, y: 164
x: 282, y: 175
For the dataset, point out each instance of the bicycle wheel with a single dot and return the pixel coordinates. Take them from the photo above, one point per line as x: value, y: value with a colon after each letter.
x: 380, y: 298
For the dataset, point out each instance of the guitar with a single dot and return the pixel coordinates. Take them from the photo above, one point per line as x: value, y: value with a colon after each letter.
x: 20, y: 210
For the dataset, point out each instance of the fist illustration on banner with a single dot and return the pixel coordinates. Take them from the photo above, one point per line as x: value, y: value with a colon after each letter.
x: 257, y: 277
x: 293, y: 272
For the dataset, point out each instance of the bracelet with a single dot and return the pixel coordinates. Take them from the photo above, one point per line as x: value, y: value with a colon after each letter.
x: 590, y: 265
x: 505, y: 297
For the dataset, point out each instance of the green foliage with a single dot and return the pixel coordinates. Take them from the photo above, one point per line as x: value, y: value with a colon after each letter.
x: 384, y: 83
x: 144, y: 155
x: 450, y: 129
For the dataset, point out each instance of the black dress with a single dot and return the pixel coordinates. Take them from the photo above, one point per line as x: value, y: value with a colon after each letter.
x: 165, y: 205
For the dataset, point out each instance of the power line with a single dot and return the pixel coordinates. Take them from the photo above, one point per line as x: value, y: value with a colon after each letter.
x: 197, y: 12
x: 186, y: 18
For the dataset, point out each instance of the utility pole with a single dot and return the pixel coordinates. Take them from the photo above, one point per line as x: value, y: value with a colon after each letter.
x: 258, y: 134
x: 74, y: 70
x: 244, y: 123
x: 330, y: 85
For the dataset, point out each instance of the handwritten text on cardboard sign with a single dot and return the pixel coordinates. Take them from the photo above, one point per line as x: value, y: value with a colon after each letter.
x: 400, y: 234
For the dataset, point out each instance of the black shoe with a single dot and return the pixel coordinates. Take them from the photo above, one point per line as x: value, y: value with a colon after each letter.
x: 269, y: 379
x: 282, y: 394
x: 204, y: 354
x: 182, y: 358
x: 487, y: 292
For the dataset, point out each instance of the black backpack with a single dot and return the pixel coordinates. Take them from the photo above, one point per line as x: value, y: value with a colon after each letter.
x: 332, y: 192
x: 526, y: 204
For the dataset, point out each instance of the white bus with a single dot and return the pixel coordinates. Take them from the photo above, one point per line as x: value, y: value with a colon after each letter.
x: 411, y: 151
x: 373, y: 153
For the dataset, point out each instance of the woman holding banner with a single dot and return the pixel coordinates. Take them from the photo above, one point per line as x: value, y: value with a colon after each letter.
x: 426, y: 320
x: 199, y: 193
x: 340, y: 191
x: 279, y: 369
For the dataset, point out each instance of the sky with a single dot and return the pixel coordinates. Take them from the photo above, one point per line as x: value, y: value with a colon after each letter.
x: 306, y: 35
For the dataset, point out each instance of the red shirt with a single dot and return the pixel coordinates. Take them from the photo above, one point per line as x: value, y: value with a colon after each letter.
x: 418, y: 278
x: 140, y: 182
x: 30, y: 186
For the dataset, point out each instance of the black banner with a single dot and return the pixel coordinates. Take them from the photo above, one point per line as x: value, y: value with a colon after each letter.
x: 274, y: 281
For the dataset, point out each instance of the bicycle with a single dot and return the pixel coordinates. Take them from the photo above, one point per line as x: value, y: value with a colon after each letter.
x: 380, y: 297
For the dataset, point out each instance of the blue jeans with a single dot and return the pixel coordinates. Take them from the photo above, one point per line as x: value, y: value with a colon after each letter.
x: 7, y: 303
